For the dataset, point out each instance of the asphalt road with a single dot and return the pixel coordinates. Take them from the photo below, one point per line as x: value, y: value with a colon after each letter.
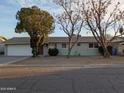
x: 77, y: 80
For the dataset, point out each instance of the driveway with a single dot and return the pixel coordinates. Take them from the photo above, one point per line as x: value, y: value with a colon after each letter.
x: 76, y: 80
x: 9, y: 59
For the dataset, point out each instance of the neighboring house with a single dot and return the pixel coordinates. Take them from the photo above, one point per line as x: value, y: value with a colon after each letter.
x: 1, y: 48
x: 121, y: 49
x: 87, y: 46
x: 2, y: 40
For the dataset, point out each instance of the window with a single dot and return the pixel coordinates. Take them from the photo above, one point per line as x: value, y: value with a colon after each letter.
x: 90, y: 45
x: 95, y: 45
x: 78, y: 44
x: 63, y: 45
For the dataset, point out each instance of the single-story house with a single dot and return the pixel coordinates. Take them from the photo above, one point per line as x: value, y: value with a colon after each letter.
x: 2, y: 40
x: 121, y: 48
x: 87, y: 46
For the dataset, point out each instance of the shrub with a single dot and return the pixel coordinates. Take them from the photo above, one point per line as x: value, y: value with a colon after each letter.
x: 1, y: 52
x: 53, y: 52
x: 101, y: 50
x: 123, y: 51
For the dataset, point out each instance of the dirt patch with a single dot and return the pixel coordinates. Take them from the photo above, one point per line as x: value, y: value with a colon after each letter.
x: 77, y: 61
x: 48, y: 65
x: 17, y: 72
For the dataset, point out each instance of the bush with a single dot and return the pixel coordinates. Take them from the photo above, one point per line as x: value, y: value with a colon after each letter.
x: 53, y: 52
x: 1, y: 53
x: 101, y: 50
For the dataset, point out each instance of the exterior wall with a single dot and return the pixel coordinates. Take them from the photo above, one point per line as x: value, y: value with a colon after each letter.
x: 62, y: 51
x: 120, y: 49
x: 25, y: 50
x: 82, y: 50
x: 1, y: 47
x: 45, y: 51
x: 18, y: 50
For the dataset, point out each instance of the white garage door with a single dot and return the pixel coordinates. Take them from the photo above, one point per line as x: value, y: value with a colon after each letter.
x: 19, y: 50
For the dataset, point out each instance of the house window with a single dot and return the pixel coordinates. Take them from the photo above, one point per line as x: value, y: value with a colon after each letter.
x: 95, y: 45
x: 78, y: 44
x: 63, y: 45
x: 90, y: 45
x: 46, y: 45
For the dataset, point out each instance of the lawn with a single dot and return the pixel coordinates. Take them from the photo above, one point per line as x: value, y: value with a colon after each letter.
x: 16, y: 72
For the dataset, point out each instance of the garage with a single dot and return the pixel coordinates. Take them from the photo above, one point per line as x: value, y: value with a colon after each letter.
x: 18, y: 50
x: 18, y: 46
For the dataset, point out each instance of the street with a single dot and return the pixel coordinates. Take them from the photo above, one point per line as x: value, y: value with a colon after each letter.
x: 74, y: 80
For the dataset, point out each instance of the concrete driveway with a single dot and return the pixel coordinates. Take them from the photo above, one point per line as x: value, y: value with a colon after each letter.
x: 10, y: 59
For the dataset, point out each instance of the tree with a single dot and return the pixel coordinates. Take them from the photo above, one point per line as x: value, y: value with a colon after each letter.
x: 70, y: 20
x: 3, y: 38
x: 101, y: 21
x: 37, y: 23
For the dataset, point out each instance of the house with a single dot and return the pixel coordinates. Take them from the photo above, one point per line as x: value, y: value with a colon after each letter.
x: 121, y: 48
x: 20, y: 46
x: 2, y: 40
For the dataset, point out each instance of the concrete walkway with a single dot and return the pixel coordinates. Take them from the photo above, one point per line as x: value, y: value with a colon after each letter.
x: 81, y: 80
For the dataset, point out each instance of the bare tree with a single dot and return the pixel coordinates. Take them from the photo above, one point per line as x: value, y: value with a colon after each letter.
x: 102, y: 19
x: 70, y: 20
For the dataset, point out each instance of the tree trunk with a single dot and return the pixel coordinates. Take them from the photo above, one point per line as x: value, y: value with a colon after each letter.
x: 34, y: 51
x: 34, y: 46
x: 106, y: 53
x: 69, y: 52
x: 69, y: 47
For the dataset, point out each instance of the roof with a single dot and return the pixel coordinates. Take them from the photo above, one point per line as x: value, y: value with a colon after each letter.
x: 18, y: 40
x: 26, y: 40
x: 65, y: 39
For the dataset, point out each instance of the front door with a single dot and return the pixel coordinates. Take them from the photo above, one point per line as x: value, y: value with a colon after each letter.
x: 40, y: 50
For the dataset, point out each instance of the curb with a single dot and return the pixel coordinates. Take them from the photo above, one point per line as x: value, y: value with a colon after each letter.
x: 67, y: 66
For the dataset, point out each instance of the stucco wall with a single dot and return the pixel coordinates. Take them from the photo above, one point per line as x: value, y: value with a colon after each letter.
x: 25, y: 50
x: 82, y: 50
x: 120, y: 49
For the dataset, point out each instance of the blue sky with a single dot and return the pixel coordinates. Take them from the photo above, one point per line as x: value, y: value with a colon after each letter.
x: 8, y: 21
x: 9, y: 8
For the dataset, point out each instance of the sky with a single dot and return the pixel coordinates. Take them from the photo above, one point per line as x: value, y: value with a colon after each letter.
x: 9, y: 8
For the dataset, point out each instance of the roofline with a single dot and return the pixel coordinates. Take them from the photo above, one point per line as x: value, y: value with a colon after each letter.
x: 47, y: 42
x: 22, y: 43
x: 15, y: 43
